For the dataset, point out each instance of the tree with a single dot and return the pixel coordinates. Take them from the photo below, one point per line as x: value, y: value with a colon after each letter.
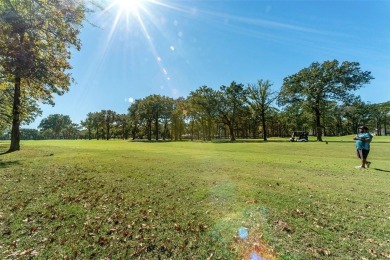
x: 260, y: 98
x: 5, y: 107
x: 168, y: 105
x: 319, y: 83
x: 122, y: 121
x: 380, y: 114
x: 56, y: 123
x: 89, y: 123
x: 230, y: 102
x: 35, y: 38
x: 178, y: 112
x: 109, y: 120
x: 136, y: 119
x: 29, y: 134
x: 147, y: 112
x: 29, y: 107
x: 204, y: 102
x: 355, y: 113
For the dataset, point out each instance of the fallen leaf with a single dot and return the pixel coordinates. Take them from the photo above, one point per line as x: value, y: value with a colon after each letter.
x: 285, y: 227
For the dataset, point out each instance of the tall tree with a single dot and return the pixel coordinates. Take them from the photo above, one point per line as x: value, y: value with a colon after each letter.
x: 318, y: 83
x: 168, y: 105
x: 135, y: 116
x: 204, y: 101
x: 260, y: 98
x: 29, y: 107
x: 109, y: 120
x: 380, y: 113
x: 355, y: 113
x: 57, y: 123
x: 230, y: 103
x: 89, y: 123
x: 35, y: 38
x: 179, y: 111
x: 122, y: 121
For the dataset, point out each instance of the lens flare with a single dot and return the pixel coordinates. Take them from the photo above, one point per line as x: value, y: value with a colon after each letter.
x: 130, y: 6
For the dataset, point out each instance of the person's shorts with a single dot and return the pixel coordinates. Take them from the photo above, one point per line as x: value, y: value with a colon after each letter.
x: 362, y: 154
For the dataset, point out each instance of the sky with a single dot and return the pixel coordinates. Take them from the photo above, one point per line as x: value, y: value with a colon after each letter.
x: 136, y: 48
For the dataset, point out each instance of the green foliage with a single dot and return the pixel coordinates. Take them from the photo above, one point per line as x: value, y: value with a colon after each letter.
x: 260, y: 98
x: 29, y: 107
x: 315, y: 86
x: 231, y: 106
x: 55, y: 123
x: 147, y: 114
x: 204, y: 109
x: 122, y: 200
x: 35, y: 38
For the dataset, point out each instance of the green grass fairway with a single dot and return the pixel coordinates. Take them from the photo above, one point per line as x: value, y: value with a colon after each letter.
x: 187, y: 200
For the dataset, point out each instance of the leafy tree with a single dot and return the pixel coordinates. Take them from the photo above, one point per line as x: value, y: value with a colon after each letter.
x: 5, y: 107
x: 56, y: 123
x: 154, y: 109
x: 380, y: 114
x: 147, y: 112
x: 29, y: 107
x: 71, y: 131
x: 260, y: 98
x: 179, y: 112
x: 335, y: 119
x: 122, y: 121
x: 35, y: 38
x: 108, y: 117
x: 356, y: 113
x: 136, y: 119
x: 319, y: 83
x: 29, y: 134
x: 168, y: 105
x: 230, y: 102
x: 204, y: 102
x: 89, y: 124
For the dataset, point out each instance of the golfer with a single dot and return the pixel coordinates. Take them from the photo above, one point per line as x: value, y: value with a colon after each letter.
x: 363, y: 140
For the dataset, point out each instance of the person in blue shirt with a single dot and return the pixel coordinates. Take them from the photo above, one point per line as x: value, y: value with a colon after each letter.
x: 363, y: 140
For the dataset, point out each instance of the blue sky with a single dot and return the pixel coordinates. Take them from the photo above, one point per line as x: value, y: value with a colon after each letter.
x: 173, y: 47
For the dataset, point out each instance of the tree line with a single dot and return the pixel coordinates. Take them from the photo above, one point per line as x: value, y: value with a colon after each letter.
x: 308, y: 100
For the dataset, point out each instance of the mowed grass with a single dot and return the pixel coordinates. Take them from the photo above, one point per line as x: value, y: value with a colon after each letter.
x: 187, y: 200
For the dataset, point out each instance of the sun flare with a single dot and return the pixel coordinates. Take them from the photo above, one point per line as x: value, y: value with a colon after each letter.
x: 130, y: 6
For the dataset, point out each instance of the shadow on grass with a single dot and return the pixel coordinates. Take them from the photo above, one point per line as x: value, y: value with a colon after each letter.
x: 3, y: 148
x: 380, y: 170
x: 7, y: 164
x: 352, y: 141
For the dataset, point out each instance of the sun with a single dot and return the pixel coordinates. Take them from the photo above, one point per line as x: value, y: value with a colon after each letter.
x: 130, y: 6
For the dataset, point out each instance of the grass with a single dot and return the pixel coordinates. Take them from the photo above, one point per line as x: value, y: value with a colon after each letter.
x: 187, y: 200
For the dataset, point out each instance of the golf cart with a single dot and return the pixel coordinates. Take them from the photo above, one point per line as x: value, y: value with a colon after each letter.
x: 299, y: 136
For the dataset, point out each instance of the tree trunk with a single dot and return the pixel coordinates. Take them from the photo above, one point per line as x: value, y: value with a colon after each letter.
x: 263, y: 121
x: 149, y: 130
x: 318, y: 125
x: 156, y: 127
x: 209, y: 126
x: 192, y: 129
x: 15, y: 132
x: 232, y: 136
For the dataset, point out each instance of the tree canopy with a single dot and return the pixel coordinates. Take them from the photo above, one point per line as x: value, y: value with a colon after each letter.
x: 318, y: 84
x: 35, y: 41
